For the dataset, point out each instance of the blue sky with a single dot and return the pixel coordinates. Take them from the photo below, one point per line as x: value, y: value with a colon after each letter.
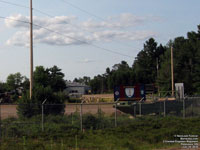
x: 121, y: 26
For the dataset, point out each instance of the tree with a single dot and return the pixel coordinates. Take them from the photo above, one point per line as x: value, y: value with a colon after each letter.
x: 14, y: 81
x: 186, y: 63
x: 2, y: 87
x: 96, y: 84
x: 164, y: 77
x: 48, y: 84
x: 2, y: 90
x: 145, y: 64
x: 29, y: 107
x: 84, y: 80
x: 56, y: 79
x: 16, y: 84
x: 52, y: 77
x: 121, y: 74
x: 40, y: 76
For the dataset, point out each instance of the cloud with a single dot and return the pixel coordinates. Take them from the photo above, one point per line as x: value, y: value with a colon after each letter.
x: 61, y: 31
x: 86, y: 60
x: 121, y: 35
x: 124, y: 20
x: 20, y: 38
x: 44, y: 21
x: 11, y: 21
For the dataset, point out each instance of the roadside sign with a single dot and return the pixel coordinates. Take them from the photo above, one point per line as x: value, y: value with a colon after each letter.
x: 136, y: 92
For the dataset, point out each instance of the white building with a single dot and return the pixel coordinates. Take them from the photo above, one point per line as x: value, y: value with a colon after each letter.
x: 76, y: 90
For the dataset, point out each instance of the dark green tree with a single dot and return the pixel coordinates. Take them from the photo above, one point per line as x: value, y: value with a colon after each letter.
x: 2, y: 90
x: 84, y: 80
x: 145, y: 64
x: 164, y: 76
x: 56, y: 80
x: 186, y: 63
x: 95, y: 84
x: 14, y: 81
x: 121, y: 74
x: 52, y: 77
x: 48, y: 84
x: 16, y: 85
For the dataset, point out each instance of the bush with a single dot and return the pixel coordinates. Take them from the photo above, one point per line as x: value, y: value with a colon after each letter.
x: 29, y: 107
x: 90, y: 121
x: 48, y: 84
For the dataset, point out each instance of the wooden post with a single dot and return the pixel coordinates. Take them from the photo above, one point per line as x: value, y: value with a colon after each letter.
x: 115, y: 114
x: 172, y: 71
x: 81, y: 116
x: 157, y: 67
x: 31, y: 49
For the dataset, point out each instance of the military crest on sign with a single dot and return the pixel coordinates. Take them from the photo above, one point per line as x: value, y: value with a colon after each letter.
x: 129, y: 92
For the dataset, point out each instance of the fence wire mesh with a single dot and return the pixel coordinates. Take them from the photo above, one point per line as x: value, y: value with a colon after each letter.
x: 83, y: 117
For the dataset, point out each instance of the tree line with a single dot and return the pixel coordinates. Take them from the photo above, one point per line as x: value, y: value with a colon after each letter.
x: 153, y: 66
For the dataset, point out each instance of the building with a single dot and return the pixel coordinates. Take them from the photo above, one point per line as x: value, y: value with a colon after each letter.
x: 76, y: 90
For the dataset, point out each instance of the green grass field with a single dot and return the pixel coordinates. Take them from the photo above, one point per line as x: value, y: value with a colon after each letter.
x: 63, y: 133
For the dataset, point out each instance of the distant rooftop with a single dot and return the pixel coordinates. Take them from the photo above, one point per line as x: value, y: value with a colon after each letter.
x: 75, y: 84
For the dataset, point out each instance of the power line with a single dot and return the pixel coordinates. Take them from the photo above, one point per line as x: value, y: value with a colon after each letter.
x: 96, y: 46
x: 89, y: 13
x: 43, y: 13
x: 85, y: 11
x: 18, y: 5
x: 74, y: 25
x: 67, y: 23
x: 27, y: 22
x: 2, y: 1
x: 94, y: 15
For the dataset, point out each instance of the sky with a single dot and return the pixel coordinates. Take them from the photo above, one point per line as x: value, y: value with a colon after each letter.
x: 84, y: 37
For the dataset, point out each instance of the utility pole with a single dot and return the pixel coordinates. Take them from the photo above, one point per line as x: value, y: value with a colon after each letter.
x: 157, y: 67
x: 102, y: 85
x: 31, y: 49
x: 172, y: 71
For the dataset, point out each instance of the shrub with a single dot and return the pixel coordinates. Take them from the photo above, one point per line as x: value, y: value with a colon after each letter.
x: 90, y: 121
x: 29, y: 107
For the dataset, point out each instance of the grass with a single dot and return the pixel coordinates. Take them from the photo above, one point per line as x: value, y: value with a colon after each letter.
x: 61, y: 133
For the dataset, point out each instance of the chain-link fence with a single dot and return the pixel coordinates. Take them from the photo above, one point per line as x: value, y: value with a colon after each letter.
x: 46, y: 117
x: 188, y: 107
x: 87, y: 116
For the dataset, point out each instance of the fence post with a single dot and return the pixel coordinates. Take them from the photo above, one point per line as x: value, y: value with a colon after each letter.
x: 24, y: 142
x: 99, y: 112
x: 76, y: 108
x: 81, y: 116
x: 164, y: 108
x: 72, y: 118
x: 116, y: 112
x: 99, y: 115
x: 183, y: 108
x: 140, y: 109
x: 135, y: 107
x: 43, y: 114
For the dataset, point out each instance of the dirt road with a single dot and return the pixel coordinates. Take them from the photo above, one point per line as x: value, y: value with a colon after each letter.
x: 11, y: 110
